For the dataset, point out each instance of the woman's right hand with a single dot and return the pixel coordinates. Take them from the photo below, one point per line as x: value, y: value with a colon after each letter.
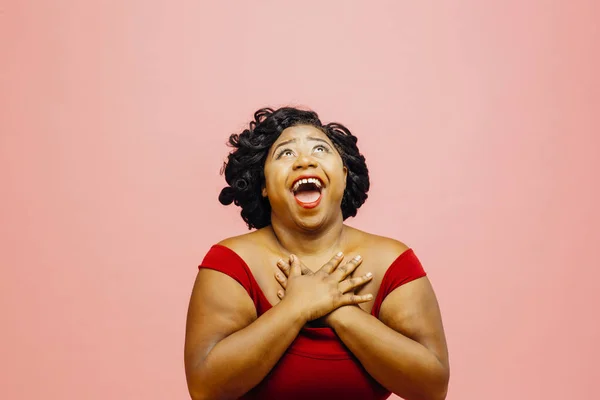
x: 318, y: 294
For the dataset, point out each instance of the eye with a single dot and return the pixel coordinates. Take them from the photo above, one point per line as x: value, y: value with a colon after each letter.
x: 323, y: 148
x: 285, y: 152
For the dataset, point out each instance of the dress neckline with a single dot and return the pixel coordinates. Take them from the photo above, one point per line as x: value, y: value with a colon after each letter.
x: 266, y: 301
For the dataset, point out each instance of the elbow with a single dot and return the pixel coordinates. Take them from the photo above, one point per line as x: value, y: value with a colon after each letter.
x: 197, y: 392
x: 442, y: 387
x: 441, y: 395
x: 202, y: 387
x: 437, y: 394
x: 197, y: 395
x: 205, y: 395
x: 435, y: 389
x: 196, y: 389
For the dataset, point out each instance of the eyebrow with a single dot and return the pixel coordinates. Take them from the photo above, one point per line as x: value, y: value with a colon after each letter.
x: 311, y: 138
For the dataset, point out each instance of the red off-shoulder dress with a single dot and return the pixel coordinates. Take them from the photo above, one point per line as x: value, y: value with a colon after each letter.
x: 317, y: 364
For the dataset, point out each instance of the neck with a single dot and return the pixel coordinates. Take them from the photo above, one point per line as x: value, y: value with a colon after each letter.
x: 310, y: 244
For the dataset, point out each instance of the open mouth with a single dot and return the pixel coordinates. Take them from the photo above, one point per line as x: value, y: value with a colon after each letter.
x: 308, y: 192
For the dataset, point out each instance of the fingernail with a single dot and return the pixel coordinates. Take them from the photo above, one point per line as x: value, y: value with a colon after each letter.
x: 339, y: 254
x: 357, y: 258
x: 369, y: 274
x: 369, y: 296
x: 292, y: 257
x: 280, y: 262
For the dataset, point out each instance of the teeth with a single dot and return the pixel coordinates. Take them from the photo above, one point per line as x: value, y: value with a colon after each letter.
x: 309, y: 180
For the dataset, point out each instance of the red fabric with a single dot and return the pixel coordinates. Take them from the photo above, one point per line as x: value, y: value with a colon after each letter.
x: 317, y: 362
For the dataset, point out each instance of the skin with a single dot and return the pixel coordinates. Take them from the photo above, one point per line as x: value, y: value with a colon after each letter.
x: 410, y: 355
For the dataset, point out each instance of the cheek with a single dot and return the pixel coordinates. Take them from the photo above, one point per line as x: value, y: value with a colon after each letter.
x: 274, y: 183
x: 342, y: 184
x: 338, y: 179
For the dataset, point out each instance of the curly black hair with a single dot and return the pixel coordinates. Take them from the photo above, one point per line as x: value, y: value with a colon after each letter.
x: 244, y: 168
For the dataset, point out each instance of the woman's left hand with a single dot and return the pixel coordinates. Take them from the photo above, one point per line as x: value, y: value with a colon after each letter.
x: 282, y: 276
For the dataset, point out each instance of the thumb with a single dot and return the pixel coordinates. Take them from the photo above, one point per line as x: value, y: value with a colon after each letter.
x: 295, y: 269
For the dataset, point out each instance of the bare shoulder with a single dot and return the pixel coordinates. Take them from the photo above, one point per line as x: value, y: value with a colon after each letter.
x: 236, y: 243
x: 380, y: 248
x: 247, y: 245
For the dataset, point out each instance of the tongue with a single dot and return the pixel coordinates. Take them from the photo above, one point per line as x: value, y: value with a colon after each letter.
x: 308, y: 196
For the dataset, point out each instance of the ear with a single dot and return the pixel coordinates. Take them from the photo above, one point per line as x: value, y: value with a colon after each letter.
x: 264, y: 191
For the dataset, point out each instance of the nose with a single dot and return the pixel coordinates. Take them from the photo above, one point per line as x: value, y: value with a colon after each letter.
x: 304, y: 161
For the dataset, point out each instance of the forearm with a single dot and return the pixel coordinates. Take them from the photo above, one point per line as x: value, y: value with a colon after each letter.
x: 397, y: 362
x: 240, y: 361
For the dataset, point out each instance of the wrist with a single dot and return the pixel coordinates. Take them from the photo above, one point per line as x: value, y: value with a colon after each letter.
x: 294, y: 312
x: 337, y: 317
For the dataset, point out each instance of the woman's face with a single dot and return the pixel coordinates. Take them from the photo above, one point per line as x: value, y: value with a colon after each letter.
x: 305, y: 178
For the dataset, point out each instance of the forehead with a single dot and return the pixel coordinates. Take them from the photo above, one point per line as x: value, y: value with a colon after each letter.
x: 300, y: 133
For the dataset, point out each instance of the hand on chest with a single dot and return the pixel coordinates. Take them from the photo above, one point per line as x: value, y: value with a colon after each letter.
x: 264, y: 271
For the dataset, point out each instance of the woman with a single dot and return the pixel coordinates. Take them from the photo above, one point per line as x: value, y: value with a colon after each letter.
x: 305, y: 305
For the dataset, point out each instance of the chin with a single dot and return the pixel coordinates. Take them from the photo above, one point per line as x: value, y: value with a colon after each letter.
x: 311, y: 223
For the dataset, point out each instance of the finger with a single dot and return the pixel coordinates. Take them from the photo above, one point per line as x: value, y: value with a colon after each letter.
x: 349, y: 299
x: 342, y: 272
x: 280, y: 294
x: 295, y: 269
x: 353, y: 283
x: 281, y: 279
x: 332, y: 264
x: 284, y: 267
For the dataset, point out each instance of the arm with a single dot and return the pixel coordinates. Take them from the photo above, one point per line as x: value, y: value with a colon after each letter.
x: 228, y: 350
x: 409, y: 355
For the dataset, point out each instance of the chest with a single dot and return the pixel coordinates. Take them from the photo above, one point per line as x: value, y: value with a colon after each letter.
x: 264, y: 271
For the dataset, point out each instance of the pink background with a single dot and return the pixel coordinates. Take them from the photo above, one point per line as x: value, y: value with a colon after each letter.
x: 479, y: 122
